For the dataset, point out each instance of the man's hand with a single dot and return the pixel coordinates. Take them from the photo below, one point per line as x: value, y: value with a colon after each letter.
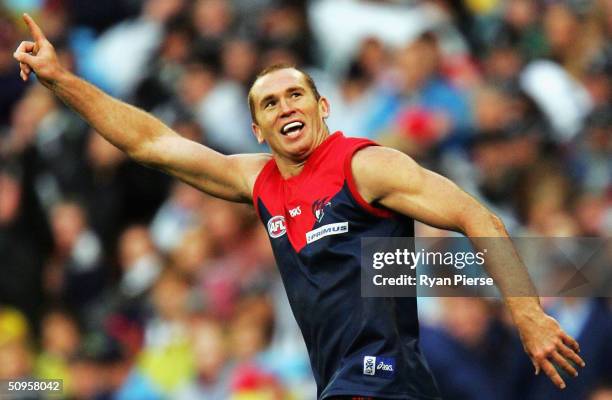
x: 548, y: 345
x: 37, y: 56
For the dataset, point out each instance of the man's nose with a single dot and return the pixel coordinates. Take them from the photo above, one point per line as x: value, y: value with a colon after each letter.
x: 286, y: 108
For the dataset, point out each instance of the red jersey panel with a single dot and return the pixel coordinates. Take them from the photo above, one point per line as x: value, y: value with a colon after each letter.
x: 299, y: 202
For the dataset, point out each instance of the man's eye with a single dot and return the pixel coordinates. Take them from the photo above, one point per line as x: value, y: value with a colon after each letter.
x: 270, y: 104
x: 295, y: 95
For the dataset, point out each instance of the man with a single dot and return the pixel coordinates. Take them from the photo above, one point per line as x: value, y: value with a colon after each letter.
x: 318, y: 194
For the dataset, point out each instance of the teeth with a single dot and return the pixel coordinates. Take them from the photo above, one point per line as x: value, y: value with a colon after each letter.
x: 292, y: 125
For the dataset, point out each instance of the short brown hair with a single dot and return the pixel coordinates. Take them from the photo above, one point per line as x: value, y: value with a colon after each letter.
x: 274, y: 68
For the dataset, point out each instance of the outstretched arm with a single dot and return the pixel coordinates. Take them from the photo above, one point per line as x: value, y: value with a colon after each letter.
x: 392, y: 179
x: 139, y: 134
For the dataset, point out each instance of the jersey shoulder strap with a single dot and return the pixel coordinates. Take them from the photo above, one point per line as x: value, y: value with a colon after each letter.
x: 269, y: 175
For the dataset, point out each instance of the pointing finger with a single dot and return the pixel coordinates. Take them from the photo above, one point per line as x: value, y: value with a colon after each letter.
x: 37, y: 33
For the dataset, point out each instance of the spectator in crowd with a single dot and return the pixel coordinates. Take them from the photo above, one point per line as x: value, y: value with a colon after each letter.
x: 60, y: 342
x: 211, y: 359
x: 74, y: 275
x: 193, y: 254
x: 24, y: 244
x: 16, y: 357
x: 180, y: 212
x: 141, y: 264
x: 474, y: 346
x: 426, y: 109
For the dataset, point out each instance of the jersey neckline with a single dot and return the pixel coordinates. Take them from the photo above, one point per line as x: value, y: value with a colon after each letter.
x: 311, y: 160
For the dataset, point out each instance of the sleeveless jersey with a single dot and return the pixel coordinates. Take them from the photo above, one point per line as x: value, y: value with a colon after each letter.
x: 363, y: 346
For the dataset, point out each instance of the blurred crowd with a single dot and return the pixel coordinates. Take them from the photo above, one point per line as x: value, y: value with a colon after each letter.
x: 128, y: 284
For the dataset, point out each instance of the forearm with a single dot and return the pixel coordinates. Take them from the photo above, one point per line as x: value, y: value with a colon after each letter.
x: 125, y: 126
x: 549, y: 347
x: 504, y: 265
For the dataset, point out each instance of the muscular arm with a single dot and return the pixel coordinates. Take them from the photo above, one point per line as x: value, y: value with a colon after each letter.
x: 142, y: 136
x: 393, y: 180
x: 148, y: 141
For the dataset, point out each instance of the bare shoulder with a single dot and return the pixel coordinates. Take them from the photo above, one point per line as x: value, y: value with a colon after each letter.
x: 378, y: 156
x: 377, y: 170
x: 248, y: 167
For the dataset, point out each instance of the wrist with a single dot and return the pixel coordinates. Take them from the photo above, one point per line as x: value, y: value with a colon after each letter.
x: 57, y: 79
x: 524, y: 309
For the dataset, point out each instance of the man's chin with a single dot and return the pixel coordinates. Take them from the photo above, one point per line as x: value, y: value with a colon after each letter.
x: 300, y: 149
x: 299, y: 153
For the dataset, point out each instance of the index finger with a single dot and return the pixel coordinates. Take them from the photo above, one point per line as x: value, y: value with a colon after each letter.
x: 37, y: 33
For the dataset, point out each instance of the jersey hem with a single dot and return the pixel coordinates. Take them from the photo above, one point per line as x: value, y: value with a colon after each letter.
x: 382, y: 396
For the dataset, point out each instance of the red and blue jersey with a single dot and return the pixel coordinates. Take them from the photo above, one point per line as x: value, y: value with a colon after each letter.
x: 364, y: 346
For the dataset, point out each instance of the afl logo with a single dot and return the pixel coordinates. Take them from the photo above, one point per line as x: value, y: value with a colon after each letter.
x: 276, y: 226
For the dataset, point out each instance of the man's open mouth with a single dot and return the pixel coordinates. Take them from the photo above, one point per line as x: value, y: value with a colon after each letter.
x: 292, y: 127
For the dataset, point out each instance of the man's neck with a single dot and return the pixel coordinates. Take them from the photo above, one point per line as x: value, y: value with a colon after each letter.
x: 289, y: 168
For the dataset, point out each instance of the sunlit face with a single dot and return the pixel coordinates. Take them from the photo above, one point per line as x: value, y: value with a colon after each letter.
x: 287, y: 114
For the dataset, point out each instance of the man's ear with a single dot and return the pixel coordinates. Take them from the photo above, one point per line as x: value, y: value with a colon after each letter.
x: 257, y: 133
x: 324, y: 107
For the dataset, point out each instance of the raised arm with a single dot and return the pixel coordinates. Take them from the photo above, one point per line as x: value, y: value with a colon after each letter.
x: 142, y: 136
x: 393, y: 180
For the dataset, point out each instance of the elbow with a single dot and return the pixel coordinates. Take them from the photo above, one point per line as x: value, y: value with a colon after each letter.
x: 497, y: 224
x: 145, y: 151
x: 138, y: 153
